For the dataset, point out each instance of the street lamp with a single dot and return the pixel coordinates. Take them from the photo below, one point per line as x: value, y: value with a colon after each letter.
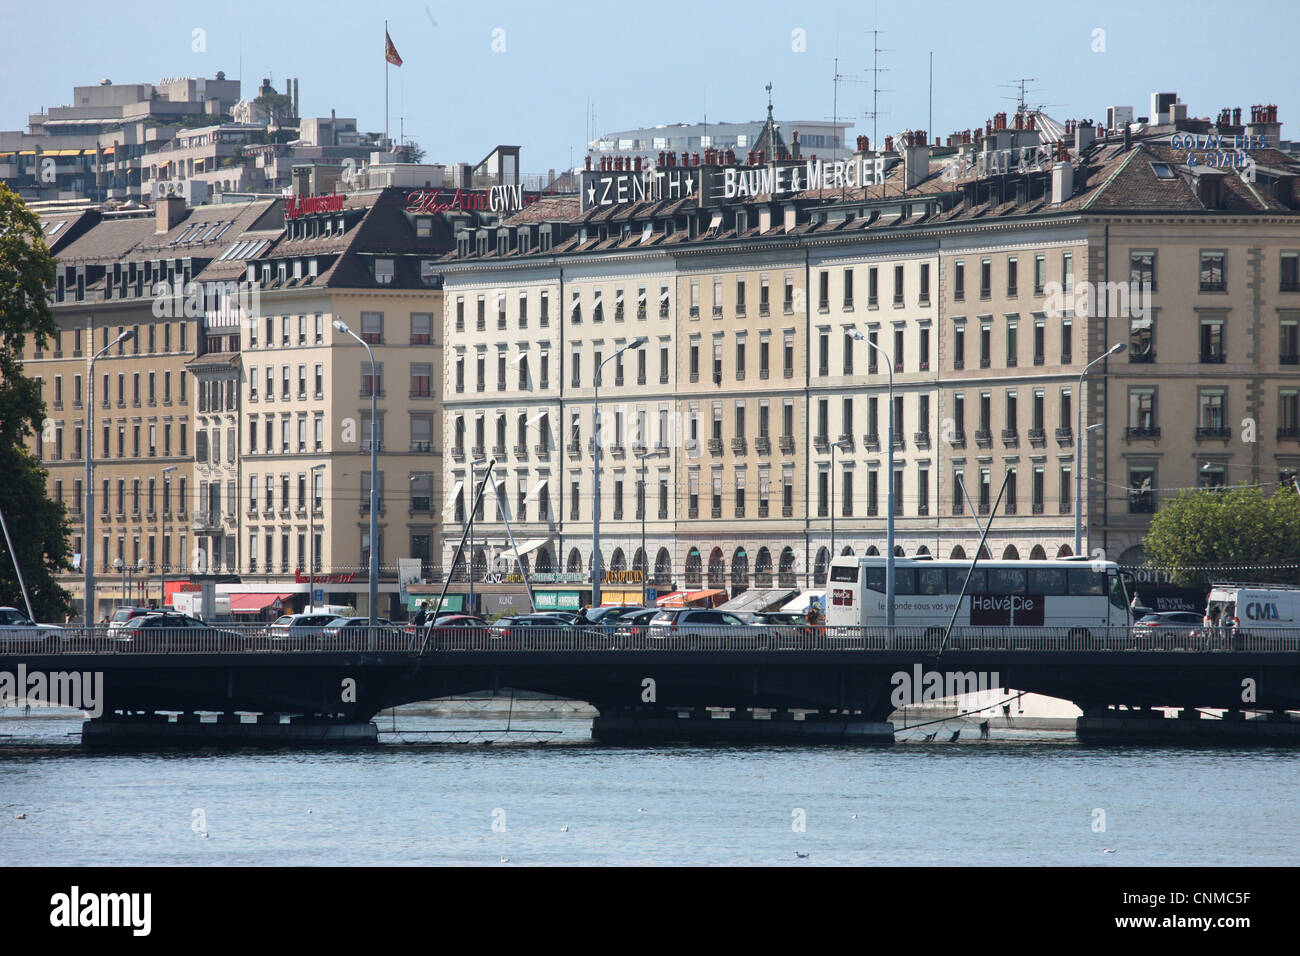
x: 374, y: 476
x: 636, y: 343
x: 889, y: 473
x: 1078, y: 446
x: 119, y: 566
x: 843, y: 443
x: 643, y: 458
x: 87, y: 546
x: 162, y: 534
x: 311, y: 534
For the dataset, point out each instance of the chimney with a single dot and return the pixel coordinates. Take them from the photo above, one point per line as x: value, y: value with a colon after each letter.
x: 1084, y: 136
x: 764, y: 217
x: 168, y: 211
x: 1062, y: 182
x: 791, y: 216
x: 296, y: 112
x: 916, y: 161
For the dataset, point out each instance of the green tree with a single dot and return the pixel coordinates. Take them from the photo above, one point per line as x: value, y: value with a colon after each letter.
x: 37, y: 525
x: 1234, y: 528
x: 278, y: 106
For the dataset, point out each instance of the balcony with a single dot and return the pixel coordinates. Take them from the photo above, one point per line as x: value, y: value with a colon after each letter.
x: 738, y: 446
x: 983, y: 438
x: 786, y: 444
x: 521, y: 451
x: 574, y: 449
x: 958, y: 439
x: 958, y: 365
x: 1212, y: 432
x: 422, y: 446
x: 1213, y: 358
x: 821, y: 442
x: 787, y: 511
x: 1141, y: 432
x: 1037, y: 437
x: 871, y: 441
x: 715, y: 446
x: 763, y: 445
x: 458, y: 453
x: 716, y: 511
x: 1064, y: 436
x: 1291, y: 358
x: 1036, y: 507
x: 1141, y: 358
x: 1291, y: 433
x: 1010, y: 436
x: 479, y: 451
x: 498, y: 451
x: 762, y: 509
x: 693, y: 511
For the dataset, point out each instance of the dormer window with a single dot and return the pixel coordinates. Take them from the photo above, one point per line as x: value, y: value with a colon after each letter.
x: 423, y: 226
x: 384, y: 271
x: 1162, y: 170
x: 340, y: 225
x: 428, y: 272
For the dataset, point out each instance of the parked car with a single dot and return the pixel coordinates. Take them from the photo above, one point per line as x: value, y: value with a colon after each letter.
x: 604, y: 615
x: 454, y: 629
x: 126, y: 614
x: 170, y: 631
x: 293, y: 630
x: 635, y: 623
x: 691, y: 622
x: 521, y: 624
x: 354, y: 632
x: 780, y: 623
x: 17, y: 628
x: 1163, y: 628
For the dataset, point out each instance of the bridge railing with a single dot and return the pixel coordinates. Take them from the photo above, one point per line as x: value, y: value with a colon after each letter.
x: 261, y: 639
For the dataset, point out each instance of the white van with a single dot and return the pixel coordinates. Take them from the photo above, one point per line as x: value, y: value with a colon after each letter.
x: 1254, y: 606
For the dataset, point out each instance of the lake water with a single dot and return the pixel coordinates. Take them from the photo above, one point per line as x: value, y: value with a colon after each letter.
x: 1020, y: 798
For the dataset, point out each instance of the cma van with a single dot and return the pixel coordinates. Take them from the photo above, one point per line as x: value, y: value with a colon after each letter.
x: 1256, y: 607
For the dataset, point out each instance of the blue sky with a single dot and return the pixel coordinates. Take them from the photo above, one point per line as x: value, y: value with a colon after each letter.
x: 662, y: 62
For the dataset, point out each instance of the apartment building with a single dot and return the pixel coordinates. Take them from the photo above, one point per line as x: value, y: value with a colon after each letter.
x: 306, y: 387
x: 986, y: 273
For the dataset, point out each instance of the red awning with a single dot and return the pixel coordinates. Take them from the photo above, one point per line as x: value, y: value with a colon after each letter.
x: 255, y: 603
x: 688, y: 598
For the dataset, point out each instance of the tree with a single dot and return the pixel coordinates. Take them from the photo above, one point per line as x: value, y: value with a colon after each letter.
x: 37, y: 525
x: 278, y: 106
x: 1244, y: 532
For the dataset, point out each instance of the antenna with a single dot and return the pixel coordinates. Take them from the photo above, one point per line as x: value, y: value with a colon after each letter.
x: 876, y: 70
x: 1020, y: 84
x: 836, y: 79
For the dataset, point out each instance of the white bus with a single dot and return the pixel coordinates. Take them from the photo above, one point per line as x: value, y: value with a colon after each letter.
x: 1082, y: 595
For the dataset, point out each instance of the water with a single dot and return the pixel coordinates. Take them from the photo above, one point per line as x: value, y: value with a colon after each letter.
x: 1020, y: 798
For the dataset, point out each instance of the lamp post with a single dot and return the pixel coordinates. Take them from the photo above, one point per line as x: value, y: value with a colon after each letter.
x: 889, y: 469
x: 374, y: 476
x: 643, y: 458
x: 311, y: 534
x: 636, y: 343
x: 162, y: 533
x: 120, y: 566
x: 1078, y: 446
x: 87, y: 547
x: 843, y: 443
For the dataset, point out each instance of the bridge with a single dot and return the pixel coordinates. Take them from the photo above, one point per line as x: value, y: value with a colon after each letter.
x: 238, y: 684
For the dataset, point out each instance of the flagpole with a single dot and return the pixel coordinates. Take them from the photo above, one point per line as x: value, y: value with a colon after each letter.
x: 385, y: 84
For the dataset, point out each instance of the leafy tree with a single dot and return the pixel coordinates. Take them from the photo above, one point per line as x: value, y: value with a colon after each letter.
x: 37, y: 525
x: 279, y: 106
x: 1235, y: 527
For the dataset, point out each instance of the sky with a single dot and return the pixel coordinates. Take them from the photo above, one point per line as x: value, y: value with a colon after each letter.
x: 527, y: 72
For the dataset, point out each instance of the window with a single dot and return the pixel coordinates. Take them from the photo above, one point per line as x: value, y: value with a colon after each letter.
x: 898, y: 350
x: 1214, y: 271
x: 320, y: 380
x: 1211, y: 416
x: 1142, y: 269
x: 1212, y: 341
x: 421, y: 328
x: 1013, y: 344
x: 959, y: 346
x: 1067, y: 341
x: 1067, y: 271
x: 384, y: 271
x: 959, y: 280
x: 898, y: 285
x: 1290, y: 272
x: 986, y: 345
x: 372, y: 382
x: 1040, y: 274
x: 788, y: 354
x: 1141, y: 489
x: 421, y: 380
x: 1040, y: 341
x: 501, y: 310
x: 372, y: 328
x: 1013, y: 266
x: 1289, y: 342
x: 1288, y: 413
x: 986, y: 278
x: 823, y: 352
x: 925, y: 283
x: 823, y: 291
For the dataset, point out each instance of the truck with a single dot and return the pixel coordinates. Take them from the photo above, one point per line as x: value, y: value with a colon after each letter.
x: 1253, y: 608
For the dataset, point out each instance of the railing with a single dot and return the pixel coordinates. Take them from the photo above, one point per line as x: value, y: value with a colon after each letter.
x: 261, y: 639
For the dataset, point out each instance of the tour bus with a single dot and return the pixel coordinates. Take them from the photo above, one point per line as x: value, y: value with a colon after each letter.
x: 1081, y: 595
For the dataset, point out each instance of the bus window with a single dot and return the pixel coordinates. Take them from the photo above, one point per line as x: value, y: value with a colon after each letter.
x: 875, y: 579
x: 931, y: 580
x: 1007, y: 580
x: 1117, y: 595
x: 1047, y: 581
x: 847, y: 573
x: 904, y: 581
x: 978, y: 582
x: 1086, y: 582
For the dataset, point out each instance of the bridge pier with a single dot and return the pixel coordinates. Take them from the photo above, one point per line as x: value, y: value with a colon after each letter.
x: 1111, y: 725
x: 637, y: 725
x: 228, y: 730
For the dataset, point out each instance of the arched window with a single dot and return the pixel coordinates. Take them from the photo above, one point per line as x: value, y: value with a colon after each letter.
x: 984, y: 553
x: 763, y: 568
x: 898, y: 551
x: 846, y: 551
x: 479, y: 565
x: 545, y: 564
x: 1009, y: 553
x: 717, y: 569
x: 739, y: 571
x: 693, y: 565
x: 922, y: 550
x: 663, y: 568
x: 618, y: 561
x: 819, y: 567
x: 1064, y: 551
x: 958, y: 554
x: 873, y: 552
x: 575, y: 562
x: 638, y: 562
x: 1036, y: 553
x: 786, y: 570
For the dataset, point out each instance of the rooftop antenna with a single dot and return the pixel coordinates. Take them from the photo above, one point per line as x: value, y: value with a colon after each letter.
x: 1020, y: 84
x: 836, y: 79
x: 876, y: 70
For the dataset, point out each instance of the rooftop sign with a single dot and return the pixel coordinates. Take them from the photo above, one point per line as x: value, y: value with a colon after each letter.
x: 295, y: 206
x: 496, y: 199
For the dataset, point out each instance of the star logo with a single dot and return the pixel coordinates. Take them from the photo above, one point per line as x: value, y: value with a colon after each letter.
x: 690, y: 186
x: 591, y: 194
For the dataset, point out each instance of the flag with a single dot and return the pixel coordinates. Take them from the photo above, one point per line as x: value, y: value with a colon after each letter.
x: 390, y: 51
